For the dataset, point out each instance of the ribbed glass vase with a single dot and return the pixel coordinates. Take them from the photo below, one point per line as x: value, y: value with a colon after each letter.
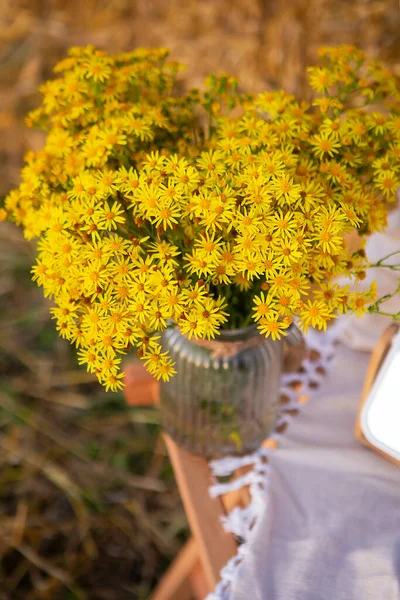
x: 224, y: 398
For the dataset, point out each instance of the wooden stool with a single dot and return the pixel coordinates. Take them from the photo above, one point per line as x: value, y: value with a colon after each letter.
x: 196, y: 570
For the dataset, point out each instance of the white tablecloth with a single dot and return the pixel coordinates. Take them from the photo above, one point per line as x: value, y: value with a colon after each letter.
x: 330, y: 529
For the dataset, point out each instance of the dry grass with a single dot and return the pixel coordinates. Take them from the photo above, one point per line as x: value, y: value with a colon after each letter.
x: 88, y: 505
x: 266, y: 43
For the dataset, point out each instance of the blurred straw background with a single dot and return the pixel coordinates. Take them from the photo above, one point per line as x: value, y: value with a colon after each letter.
x: 88, y: 505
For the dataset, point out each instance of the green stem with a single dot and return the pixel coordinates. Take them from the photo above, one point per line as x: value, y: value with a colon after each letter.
x: 247, y: 320
x: 380, y: 262
x: 394, y: 316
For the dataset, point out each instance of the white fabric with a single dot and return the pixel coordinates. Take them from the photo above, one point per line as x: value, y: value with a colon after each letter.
x: 330, y: 525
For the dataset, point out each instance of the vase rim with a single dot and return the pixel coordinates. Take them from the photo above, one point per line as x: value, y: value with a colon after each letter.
x: 241, y: 333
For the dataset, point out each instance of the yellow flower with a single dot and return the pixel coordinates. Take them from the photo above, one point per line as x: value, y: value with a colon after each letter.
x: 164, y: 371
x: 285, y: 189
x: 165, y: 252
x: 209, y: 247
x: 282, y: 222
x: 288, y: 251
x: 320, y: 79
x: 211, y: 162
x: 211, y: 315
x: 315, y: 313
x: 198, y: 264
x: 86, y: 187
x: 299, y: 286
x: 243, y: 283
x: 165, y: 214
x: 137, y: 126
x: 97, y: 68
x: 185, y: 178
x: 263, y: 307
x: 324, y: 144
x: 246, y: 245
x: 286, y: 301
x: 247, y: 223
x: 387, y: 182
x: 271, y: 327
x: 279, y: 283
x: 174, y: 304
x: 331, y: 127
x: 250, y: 267
x: 220, y: 214
x: 110, y: 217
x: 192, y: 325
x: 258, y: 196
x: 90, y: 358
x: 112, y: 382
x: 108, y: 366
x: 94, y: 251
x: 158, y: 317
x: 331, y: 293
x: 223, y: 273
x: 110, y: 137
x: 194, y: 294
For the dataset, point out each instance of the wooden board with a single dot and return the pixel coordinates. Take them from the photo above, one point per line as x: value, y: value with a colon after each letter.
x: 375, y: 363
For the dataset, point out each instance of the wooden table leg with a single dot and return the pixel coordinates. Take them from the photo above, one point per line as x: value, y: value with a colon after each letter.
x: 176, y: 584
x: 215, y: 545
x: 198, y: 581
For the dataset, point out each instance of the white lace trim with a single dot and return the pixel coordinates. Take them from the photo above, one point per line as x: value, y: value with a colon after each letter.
x: 240, y: 521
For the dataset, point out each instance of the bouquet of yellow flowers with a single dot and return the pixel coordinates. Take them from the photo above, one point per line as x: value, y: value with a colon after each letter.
x: 204, y: 209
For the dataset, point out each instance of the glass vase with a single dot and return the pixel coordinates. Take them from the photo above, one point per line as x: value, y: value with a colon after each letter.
x: 224, y: 398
